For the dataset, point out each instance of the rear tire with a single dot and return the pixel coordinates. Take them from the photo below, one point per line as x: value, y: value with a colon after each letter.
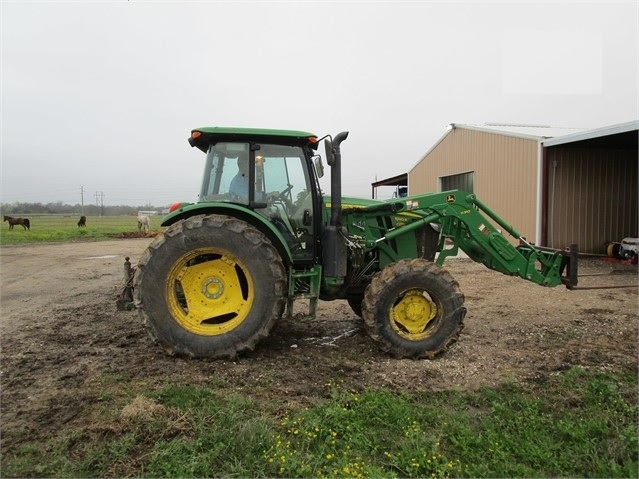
x: 413, y: 309
x: 210, y: 287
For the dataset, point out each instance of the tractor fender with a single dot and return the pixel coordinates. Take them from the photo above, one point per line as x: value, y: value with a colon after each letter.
x: 235, y: 211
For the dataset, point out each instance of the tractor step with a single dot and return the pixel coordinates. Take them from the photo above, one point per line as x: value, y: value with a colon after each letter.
x: 304, y: 284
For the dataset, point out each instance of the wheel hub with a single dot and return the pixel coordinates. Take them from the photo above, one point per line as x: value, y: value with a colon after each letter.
x: 208, y: 297
x: 413, y: 312
x: 213, y: 287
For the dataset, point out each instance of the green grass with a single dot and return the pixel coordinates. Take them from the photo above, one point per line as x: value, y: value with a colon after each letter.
x: 62, y: 228
x: 577, y: 424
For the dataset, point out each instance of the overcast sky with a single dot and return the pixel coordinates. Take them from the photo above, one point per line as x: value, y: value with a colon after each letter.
x: 101, y: 97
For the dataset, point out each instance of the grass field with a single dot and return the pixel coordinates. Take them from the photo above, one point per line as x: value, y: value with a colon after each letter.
x: 577, y: 424
x: 60, y: 228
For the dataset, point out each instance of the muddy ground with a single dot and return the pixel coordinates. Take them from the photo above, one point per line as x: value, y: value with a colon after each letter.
x: 61, y: 336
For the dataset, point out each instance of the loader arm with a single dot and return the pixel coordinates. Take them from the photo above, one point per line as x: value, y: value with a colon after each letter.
x: 463, y: 223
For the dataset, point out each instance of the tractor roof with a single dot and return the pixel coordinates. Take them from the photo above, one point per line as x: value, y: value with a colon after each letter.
x: 203, y: 137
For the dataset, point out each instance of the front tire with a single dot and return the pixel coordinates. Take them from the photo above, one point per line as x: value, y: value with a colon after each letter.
x: 210, y: 287
x: 413, y: 309
x: 355, y: 302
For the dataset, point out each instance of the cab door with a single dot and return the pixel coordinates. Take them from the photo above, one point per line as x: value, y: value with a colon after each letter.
x: 282, y: 177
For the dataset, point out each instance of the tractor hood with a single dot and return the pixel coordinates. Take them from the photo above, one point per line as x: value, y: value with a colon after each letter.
x: 352, y: 204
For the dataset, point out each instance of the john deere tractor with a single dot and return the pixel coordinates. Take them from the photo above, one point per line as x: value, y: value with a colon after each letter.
x: 263, y: 237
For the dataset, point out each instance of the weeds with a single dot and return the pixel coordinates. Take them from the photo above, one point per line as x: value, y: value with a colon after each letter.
x: 578, y: 424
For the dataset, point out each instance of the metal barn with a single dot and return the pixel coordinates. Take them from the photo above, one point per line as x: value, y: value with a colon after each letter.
x: 556, y: 186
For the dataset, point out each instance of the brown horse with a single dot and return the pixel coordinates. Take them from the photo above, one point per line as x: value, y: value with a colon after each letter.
x: 24, y: 222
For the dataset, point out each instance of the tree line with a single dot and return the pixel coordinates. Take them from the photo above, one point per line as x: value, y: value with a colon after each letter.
x: 59, y: 208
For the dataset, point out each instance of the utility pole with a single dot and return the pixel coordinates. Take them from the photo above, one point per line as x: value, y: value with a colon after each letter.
x: 99, y: 201
x: 82, y: 198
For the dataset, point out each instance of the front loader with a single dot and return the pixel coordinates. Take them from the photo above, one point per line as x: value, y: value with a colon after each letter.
x: 227, y: 267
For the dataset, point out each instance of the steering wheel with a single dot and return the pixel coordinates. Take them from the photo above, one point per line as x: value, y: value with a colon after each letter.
x: 281, y: 196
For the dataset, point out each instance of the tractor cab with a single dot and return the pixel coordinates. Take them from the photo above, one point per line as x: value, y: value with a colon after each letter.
x: 270, y: 173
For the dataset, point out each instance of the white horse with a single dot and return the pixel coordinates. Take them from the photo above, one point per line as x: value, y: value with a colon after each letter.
x: 143, y: 223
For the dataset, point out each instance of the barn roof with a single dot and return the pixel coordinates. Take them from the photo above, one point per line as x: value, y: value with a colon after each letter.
x: 535, y: 132
x: 624, y: 134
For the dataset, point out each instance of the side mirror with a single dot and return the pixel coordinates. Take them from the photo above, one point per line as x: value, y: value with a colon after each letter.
x: 319, y: 166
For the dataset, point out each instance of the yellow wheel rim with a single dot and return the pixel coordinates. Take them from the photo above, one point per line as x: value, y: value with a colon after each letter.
x: 210, y: 292
x: 412, y: 315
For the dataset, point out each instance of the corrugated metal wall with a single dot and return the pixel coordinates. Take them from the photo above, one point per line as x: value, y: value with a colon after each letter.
x: 505, y: 170
x: 594, y: 198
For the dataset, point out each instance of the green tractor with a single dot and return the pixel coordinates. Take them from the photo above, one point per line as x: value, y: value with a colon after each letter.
x: 263, y: 236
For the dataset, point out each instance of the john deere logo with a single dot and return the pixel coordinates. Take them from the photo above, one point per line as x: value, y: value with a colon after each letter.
x: 450, y: 199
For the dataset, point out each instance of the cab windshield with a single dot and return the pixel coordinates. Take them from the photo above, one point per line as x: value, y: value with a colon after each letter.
x: 276, y: 169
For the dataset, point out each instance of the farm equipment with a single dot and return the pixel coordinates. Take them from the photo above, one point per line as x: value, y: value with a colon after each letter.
x: 227, y: 267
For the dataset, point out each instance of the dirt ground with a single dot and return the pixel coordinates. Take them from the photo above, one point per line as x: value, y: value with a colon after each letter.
x: 61, y: 335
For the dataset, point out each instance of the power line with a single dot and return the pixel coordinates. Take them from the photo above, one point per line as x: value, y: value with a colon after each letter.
x: 99, y: 201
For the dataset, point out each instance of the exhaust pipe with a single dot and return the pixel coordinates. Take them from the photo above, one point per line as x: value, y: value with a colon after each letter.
x: 334, y: 247
x: 335, y: 162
